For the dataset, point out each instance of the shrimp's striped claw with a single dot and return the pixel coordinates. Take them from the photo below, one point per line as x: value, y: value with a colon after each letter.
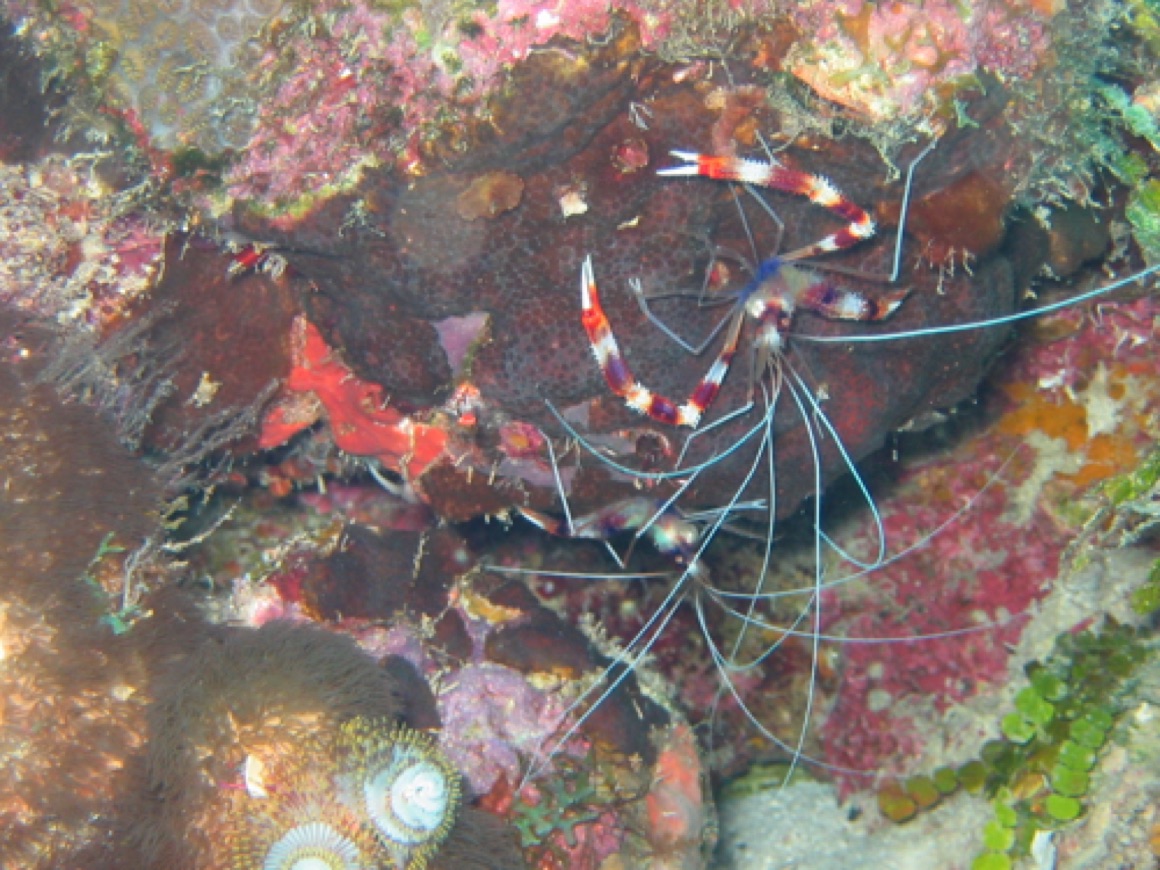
x: 776, y: 288
x: 773, y: 175
x: 620, y: 378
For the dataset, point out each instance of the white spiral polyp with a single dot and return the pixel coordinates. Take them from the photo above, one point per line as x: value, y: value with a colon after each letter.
x: 313, y: 846
x: 407, y: 798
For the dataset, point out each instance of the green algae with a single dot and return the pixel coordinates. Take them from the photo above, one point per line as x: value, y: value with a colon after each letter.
x: 1144, y: 16
x: 566, y: 801
x: 1146, y: 599
x: 991, y: 861
x: 1143, y: 213
x: 1133, y: 116
x: 1017, y: 729
x: 556, y: 812
x: 1038, y: 775
x: 120, y: 615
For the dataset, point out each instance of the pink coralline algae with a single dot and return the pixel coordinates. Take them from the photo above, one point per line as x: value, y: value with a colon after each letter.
x: 339, y: 111
x: 494, y: 720
x: 981, y: 576
x: 304, y: 101
x: 1075, y: 409
x: 67, y: 252
x: 886, y: 60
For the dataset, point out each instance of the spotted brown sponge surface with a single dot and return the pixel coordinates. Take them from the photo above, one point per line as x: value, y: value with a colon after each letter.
x: 447, y: 305
x: 497, y: 240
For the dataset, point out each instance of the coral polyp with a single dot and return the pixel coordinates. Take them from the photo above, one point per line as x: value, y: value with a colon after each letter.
x: 374, y: 793
x: 408, y: 790
x: 313, y: 846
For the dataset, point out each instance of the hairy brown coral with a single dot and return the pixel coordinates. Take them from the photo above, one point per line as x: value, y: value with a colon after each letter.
x: 232, y: 708
x: 68, y: 482
x: 238, y: 693
x: 71, y: 707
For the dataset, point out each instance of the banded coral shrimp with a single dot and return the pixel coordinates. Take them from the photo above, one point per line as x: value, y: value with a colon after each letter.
x: 808, y: 626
